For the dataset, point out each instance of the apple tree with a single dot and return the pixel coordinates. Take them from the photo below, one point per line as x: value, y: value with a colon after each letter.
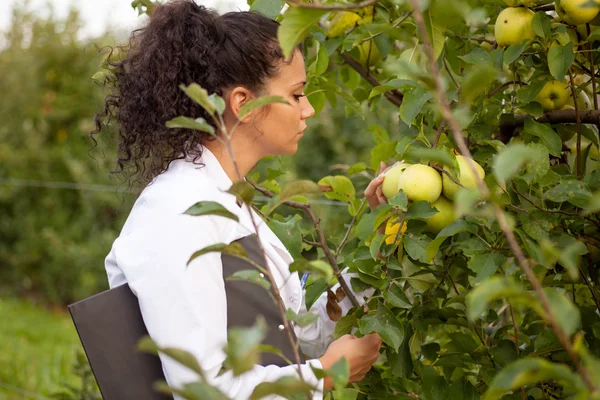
x: 485, y: 259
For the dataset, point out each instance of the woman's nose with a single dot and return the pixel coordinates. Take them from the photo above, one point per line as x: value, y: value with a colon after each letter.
x: 307, y: 111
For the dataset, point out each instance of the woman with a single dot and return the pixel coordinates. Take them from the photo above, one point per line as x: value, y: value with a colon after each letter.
x: 190, y: 307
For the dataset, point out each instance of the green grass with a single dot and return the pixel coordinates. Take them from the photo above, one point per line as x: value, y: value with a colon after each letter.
x: 38, y: 351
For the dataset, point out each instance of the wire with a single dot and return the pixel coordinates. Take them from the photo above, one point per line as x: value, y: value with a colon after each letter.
x: 94, y: 187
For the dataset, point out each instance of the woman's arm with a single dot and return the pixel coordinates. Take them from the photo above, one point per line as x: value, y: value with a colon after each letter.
x: 185, y: 306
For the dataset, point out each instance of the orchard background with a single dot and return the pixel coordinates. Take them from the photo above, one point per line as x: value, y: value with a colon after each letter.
x: 488, y: 290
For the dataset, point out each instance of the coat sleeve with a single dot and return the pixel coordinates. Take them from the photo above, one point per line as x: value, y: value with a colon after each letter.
x: 184, y: 306
x: 314, y: 339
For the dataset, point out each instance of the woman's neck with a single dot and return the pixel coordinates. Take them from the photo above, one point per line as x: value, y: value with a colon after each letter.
x: 245, y: 160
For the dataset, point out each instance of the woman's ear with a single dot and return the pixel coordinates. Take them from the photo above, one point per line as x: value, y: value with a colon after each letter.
x: 238, y: 97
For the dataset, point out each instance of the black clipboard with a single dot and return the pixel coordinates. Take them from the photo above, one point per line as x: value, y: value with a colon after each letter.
x: 109, y: 326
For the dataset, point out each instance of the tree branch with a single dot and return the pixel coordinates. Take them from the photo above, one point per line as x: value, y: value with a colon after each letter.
x: 322, y: 240
x: 501, y: 218
x: 394, y: 96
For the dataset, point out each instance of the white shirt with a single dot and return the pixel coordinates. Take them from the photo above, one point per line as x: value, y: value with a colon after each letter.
x: 185, y: 306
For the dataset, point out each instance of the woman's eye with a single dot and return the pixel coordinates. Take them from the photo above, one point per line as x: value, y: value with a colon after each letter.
x: 299, y: 96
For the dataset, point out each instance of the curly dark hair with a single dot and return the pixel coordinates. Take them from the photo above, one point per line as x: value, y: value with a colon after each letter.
x: 181, y: 43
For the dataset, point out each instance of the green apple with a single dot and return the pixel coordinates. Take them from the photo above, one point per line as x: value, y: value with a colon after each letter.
x: 421, y: 182
x: 369, y: 54
x: 583, y: 101
x: 444, y: 216
x: 576, y: 12
x: 553, y: 95
x: 466, y: 176
x: 389, y: 187
x: 342, y: 22
x: 513, y: 25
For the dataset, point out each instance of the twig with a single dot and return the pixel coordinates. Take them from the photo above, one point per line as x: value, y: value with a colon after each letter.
x: 453, y: 179
x: 593, y: 68
x: 503, y: 223
x: 345, y: 239
x: 450, y: 74
x: 505, y: 84
x: 394, y: 96
x: 439, y: 133
x: 322, y: 240
x: 546, y: 7
x: 322, y: 6
x: 477, y: 39
x: 585, y: 279
x: 578, y: 119
x: 395, y: 25
x: 516, y: 329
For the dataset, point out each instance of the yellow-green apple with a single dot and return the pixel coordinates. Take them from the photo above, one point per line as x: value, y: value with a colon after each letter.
x: 553, y: 95
x: 576, y: 12
x: 369, y: 54
x: 466, y: 176
x: 513, y: 25
x: 444, y: 216
x: 341, y: 22
x: 389, y: 187
x: 421, y: 182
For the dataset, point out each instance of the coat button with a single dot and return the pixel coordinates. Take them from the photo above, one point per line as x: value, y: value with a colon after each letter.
x: 281, y: 327
x: 262, y: 275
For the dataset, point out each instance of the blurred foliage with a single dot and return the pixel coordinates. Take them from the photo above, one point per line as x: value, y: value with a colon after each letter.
x: 40, y: 354
x: 54, y: 238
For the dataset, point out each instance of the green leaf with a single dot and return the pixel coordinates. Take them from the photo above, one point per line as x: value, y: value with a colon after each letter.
x: 289, y: 233
x: 194, y: 391
x: 463, y: 389
x: 462, y: 343
x: 243, y: 191
x: 198, y: 124
x: 302, y: 187
x: 344, y: 325
x: 573, y: 191
x: 496, y: 288
x: 441, y: 155
x: 218, y: 102
x: 268, y: 8
x: 382, y: 152
x: 296, y: 24
x: 351, y: 102
x: 301, y: 319
x: 477, y: 56
x: 395, y: 296
x: 185, y: 358
x: 338, y: 187
x: 564, y: 311
x: 401, y: 363
x: 513, y: 52
x: 422, y: 281
x: 199, y: 95
x: 322, y: 60
x: 560, y: 59
x: 435, y: 386
x: 243, y: 347
x: 258, y: 103
x: 477, y: 81
x: 450, y: 230
x: 547, y: 136
x: 435, y: 31
x: 210, y: 208
x: 250, y: 275
x: 530, y: 371
x: 415, y: 246
x: 383, y: 322
x: 509, y: 161
x: 412, y: 104
x: 233, y: 249
x: 486, y: 265
x: 541, y: 24
x: 287, y: 387
x: 339, y: 373
x: 319, y: 268
x: 420, y: 210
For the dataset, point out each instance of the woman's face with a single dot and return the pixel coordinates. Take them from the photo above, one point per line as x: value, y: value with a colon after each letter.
x: 279, y: 128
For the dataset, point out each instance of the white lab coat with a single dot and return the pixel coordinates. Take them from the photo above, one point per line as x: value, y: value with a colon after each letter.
x: 185, y: 306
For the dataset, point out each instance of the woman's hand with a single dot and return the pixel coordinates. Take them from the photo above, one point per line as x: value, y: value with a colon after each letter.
x: 373, y: 193
x: 360, y: 353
